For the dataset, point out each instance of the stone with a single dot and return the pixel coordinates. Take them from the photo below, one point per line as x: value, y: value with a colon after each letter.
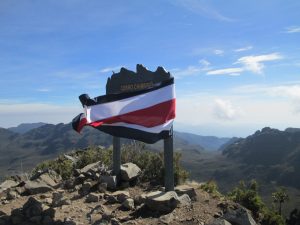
x: 45, y: 178
x: 93, y: 198
x: 166, y: 219
x: 32, y: 208
x: 121, y: 196
x: 239, y: 216
x: 129, y: 171
x: 111, y: 181
x: 185, y: 189
x: 219, y: 221
x: 17, y: 216
x: 115, y: 221
x: 139, y: 199
x: 90, y: 167
x: 128, y: 204
x: 36, y: 219
x: 7, y: 184
x: 11, y: 195
x: 34, y: 187
x: 185, y: 200
x: 162, y: 201
x: 59, y: 200
x: 69, y: 221
x: 102, y: 187
x: 85, y: 189
x: 50, y: 212
x: 47, y: 220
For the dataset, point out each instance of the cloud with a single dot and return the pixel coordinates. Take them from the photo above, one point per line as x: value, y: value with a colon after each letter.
x: 255, y: 63
x: 218, y: 52
x: 110, y: 69
x: 227, y: 71
x: 224, y: 110
x: 201, y: 7
x: 243, y: 49
x: 292, y: 29
x: 43, y: 90
x: 14, y: 114
x: 192, y: 70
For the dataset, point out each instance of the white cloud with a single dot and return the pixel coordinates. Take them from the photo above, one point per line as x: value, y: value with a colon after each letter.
x: 227, y: 71
x: 43, y: 90
x: 192, y: 70
x: 243, y: 49
x: 224, y: 110
x: 218, y: 52
x: 14, y: 114
x: 110, y: 69
x: 203, y: 8
x: 255, y: 63
x: 292, y: 29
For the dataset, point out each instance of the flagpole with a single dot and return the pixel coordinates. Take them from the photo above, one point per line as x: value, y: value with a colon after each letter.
x: 116, y: 157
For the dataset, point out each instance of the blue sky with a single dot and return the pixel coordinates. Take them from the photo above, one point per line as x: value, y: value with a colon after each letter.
x: 236, y: 63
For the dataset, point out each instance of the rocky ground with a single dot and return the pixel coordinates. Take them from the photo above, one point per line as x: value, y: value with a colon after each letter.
x: 92, y: 197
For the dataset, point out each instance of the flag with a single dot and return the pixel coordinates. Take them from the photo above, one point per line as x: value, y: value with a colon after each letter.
x: 145, y: 115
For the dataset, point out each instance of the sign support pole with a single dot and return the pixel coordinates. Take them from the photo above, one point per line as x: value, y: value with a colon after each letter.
x: 116, y: 157
x: 168, y: 161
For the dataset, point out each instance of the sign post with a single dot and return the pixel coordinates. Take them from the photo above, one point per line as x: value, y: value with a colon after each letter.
x: 129, y: 81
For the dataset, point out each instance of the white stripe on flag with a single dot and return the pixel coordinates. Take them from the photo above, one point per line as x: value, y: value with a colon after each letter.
x: 116, y: 108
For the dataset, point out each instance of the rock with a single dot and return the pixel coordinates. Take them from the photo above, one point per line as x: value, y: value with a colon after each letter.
x: 59, y: 200
x: 11, y: 194
x: 139, y: 199
x: 85, y: 189
x: 219, y: 222
x: 69, y: 221
x: 91, y: 167
x: 47, y: 220
x: 128, y: 204
x: 102, y: 187
x: 45, y: 178
x: 239, y: 216
x: 93, y: 197
x: 50, y: 212
x: 162, y: 201
x: 36, y: 219
x: 115, y: 221
x: 111, y: 199
x: 166, y: 219
x: 111, y: 181
x: 7, y: 185
x: 129, y: 171
x: 71, y: 158
x: 80, y: 179
x: 121, y: 196
x: 17, y: 216
x: 185, y: 189
x: 32, y: 208
x: 185, y: 200
x: 34, y: 187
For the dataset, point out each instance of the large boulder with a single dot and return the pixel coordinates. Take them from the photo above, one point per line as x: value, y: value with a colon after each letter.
x: 34, y: 187
x: 111, y: 181
x: 185, y: 189
x: 129, y: 171
x: 7, y: 185
x: 162, y: 201
x: 239, y: 216
x: 219, y: 221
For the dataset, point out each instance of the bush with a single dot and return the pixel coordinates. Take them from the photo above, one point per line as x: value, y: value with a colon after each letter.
x: 211, y: 187
x: 247, y: 195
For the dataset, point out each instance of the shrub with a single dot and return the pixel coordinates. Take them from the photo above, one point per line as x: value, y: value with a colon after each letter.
x: 211, y: 187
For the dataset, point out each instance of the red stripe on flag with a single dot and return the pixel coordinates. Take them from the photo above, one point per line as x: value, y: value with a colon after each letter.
x: 82, y: 123
x: 147, y: 117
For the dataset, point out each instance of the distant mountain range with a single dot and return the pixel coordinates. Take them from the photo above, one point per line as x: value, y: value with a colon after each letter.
x: 22, y: 147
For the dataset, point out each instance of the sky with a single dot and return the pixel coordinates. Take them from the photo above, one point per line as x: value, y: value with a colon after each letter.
x: 236, y: 63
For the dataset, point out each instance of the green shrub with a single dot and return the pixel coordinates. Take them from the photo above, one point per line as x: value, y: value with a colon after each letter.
x: 211, y: 187
x: 247, y: 196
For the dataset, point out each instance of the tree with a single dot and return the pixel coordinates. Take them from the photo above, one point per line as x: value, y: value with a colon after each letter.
x: 279, y: 197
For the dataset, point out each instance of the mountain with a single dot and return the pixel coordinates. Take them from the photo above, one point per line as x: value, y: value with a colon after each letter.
x: 25, y: 127
x: 21, y: 151
x: 275, y: 153
x: 210, y: 143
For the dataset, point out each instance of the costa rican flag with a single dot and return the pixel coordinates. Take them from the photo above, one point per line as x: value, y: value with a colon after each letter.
x: 145, y: 115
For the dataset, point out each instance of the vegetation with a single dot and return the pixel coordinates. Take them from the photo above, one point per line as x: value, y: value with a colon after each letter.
x: 280, y: 197
x: 247, y: 195
x: 151, y: 163
x: 211, y: 187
